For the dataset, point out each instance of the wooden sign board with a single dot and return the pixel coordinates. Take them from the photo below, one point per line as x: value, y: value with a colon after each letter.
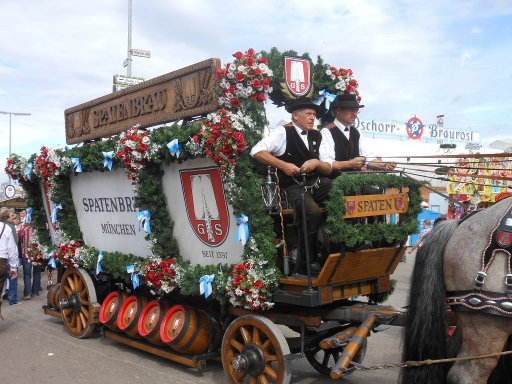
x: 177, y: 95
x: 375, y: 205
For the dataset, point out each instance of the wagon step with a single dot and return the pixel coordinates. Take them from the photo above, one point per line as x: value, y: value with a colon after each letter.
x: 350, y: 351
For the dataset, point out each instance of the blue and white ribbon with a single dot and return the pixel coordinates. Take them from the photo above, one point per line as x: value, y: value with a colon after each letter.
x: 98, y: 263
x: 144, y: 218
x: 324, y: 95
x: 77, y: 167
x: 52, y: 263
x: 107, y: 159
x: 28, y: 171
x: 205, y: 285
x: 135, y: 276
x: 242, y: 233
x: 174, y: 148
x: 54, y: 213
x: 28, y: 218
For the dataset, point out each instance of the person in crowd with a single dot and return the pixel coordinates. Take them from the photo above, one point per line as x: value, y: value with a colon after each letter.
x: 342, y: 144
x: 419, y: 241
x: 294, y: 150
x: 31, y: 273
x: 8, y: 217
x: 8, y: 255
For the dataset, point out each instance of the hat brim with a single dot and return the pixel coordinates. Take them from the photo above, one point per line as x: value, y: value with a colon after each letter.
x: 296, y: 107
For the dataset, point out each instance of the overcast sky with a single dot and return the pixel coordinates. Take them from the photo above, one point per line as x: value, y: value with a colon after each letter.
x: 419, y: 58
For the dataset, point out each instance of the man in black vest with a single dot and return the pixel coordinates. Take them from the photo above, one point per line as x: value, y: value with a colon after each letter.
x: 341, y: 142
x: 294, y: 150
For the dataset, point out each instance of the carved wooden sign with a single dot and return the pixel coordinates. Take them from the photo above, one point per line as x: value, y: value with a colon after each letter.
x: 174, y: 96
x: 373, y: 205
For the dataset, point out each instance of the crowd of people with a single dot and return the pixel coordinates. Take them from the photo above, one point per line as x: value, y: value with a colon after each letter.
x: 16, y: 232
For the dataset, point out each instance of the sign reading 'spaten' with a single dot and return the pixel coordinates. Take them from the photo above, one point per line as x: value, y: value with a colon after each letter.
x: 105, y: 208
x: 372, y: 205
x: 177, y: 95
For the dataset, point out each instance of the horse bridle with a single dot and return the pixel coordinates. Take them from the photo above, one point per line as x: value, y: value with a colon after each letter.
x: 500, y: 240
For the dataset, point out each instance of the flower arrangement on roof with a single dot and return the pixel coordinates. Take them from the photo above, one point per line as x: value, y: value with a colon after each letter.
x: 16, y: 166
x: 344, y: 81
x: 248, y: 77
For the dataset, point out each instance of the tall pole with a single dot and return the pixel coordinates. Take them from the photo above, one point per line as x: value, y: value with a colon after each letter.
x: 129, y: 69
x: 10, y: 124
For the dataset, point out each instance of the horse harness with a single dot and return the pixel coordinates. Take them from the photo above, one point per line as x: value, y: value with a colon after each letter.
x: 497, y: 303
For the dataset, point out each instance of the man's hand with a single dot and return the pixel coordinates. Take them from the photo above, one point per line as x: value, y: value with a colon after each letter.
x: 13, y: 274
x: 290, y: 169
x: 309, y: 165
x: 357, y: 162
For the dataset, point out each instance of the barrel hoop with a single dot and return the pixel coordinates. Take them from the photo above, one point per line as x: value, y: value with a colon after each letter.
x: 189, y: 343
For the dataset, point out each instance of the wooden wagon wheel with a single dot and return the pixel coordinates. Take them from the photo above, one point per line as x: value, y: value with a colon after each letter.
x: 322, y: 360
x: 77, y: 293
x: 254, y: 351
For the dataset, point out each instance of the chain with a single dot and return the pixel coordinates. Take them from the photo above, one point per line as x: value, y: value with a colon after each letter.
x: 412, y: 363
x: 316, y: 184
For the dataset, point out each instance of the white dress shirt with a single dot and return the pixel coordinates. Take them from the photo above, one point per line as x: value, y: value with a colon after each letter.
x: 275, y: 141
x: 8, y: 247
x: 327, y: 153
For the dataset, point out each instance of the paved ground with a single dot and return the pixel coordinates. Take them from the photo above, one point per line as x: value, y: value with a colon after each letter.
x: 36, y: 348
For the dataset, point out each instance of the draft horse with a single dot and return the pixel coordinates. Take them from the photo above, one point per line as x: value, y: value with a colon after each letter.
x: 464, y: 265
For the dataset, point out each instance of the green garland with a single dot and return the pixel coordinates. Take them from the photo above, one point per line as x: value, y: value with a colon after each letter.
x: 353, y: 234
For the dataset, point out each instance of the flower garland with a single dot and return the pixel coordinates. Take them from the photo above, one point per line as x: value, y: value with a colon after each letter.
x: 345, y: 81
x: 37, y: 254
x: 16, y: 166
x: 223, y: 138
x: 162, y: 276
x: 134, y: 150
x: 67, y: 254
x: 51, y: 163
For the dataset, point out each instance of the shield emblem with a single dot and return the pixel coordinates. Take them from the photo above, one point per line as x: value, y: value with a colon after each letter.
x: 297, y: 75
x: 398, y: 203
x: 206, y: 205
x: 351, y: 206
x: 504, y: 238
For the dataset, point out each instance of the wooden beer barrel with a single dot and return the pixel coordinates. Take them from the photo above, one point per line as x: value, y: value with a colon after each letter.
x: 129, y: 313
x: 150, y: 320
x: 110, y: 309
x: 187, y: 330
x: 53, y: 296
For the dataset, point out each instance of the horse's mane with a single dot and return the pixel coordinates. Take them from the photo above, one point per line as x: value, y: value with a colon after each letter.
x: 426, y: 324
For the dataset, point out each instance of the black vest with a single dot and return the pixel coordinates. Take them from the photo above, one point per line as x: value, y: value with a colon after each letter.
x: 344, y: 149
x: 297, y: 153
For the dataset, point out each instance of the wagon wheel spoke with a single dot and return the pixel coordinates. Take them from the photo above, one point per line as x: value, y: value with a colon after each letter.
x: 67, y: 291
x: 70, y: 283
x: 237, y: 345
x: 269, y: 371
x: 246, y: 335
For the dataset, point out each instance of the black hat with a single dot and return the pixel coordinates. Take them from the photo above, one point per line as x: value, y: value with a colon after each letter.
x: 347, y: 100
x: 300, y: 103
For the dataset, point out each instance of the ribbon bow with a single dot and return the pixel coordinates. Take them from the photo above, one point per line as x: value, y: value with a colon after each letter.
x: 324, y: 95
x: 174, y: 147
x: 135, y: 276
x: 52, y: 263
x: 144, y: 218
x: 242, y: 233
x: 107, y: 159
x: 54, y: 213
x: 28, y: 218
x: 98, y: 263
x: 28, y: 171
x: 205, y: 285
x: 77, y: 167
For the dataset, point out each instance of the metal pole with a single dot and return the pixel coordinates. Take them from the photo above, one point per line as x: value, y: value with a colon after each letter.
x: 10, y: 125
x: 129, y: 69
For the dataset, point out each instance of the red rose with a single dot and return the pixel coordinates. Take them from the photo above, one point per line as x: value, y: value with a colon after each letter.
x: 239, y: 76
x: 151, y: 275
x: 250, y: 52
x: 235, y: 102
x: 250, y: 61
x: 262, y: 60
x: 256, y: 83
x: 257, y: 71
x: 261, y: 97
x: 238, y: 55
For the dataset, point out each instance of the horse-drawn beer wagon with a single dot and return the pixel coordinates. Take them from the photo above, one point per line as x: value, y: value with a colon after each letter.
x: 171, y: 239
